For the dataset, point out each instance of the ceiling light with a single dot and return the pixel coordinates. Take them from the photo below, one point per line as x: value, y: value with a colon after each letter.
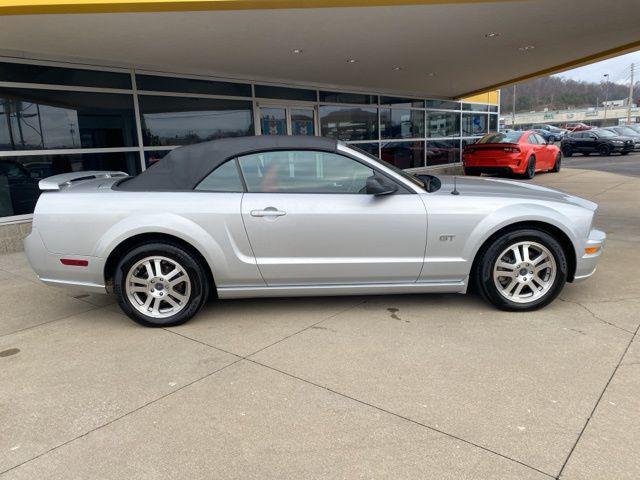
x: 492, y: 34
x: 396, y: 69
x: 296, y: 51
x: 526, y: 48
x: 431, y: 74
x: 352, y: 60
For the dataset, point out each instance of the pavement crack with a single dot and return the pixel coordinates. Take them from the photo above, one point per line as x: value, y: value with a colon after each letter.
x: 402, y: 417
x: 593, y: 411
x: 588, y: 310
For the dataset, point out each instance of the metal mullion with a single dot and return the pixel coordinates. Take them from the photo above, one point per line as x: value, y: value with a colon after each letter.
x: 65, y: 88
x: 138, y: 119
x: 66, y: 151
x: 158, y: 148
x: 192, y: 95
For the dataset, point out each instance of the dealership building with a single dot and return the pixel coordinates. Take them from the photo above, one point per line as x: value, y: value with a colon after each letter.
x: 115, y: 85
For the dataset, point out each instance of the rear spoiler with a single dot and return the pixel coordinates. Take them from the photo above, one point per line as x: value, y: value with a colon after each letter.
x: 57, y: 182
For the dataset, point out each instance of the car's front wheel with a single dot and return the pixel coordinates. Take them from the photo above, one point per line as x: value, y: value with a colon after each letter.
x: 604, y: 150
x: 160, y: 284
x: 521, y: 270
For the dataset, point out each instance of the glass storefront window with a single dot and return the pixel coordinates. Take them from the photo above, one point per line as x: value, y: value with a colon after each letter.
x: 443, y: 124
x: 285, y: 93
x: 440, y: 152
x: 475, y: 107
x: 402, y: 102
x: 443, y: 104
x: 474, y: 124
x: 341, y: 97
x: 302, y: 121
x: 372, y: 148
x: 401, y: 123
x: 78, y: 77
x: 183, y: 121
x: 19, y: 176
x: 403, y: 154
x: 349, y: 123
x: 191, y: 85
x: 493, y: 123
x: 273, y: 121
x: 52, y: 119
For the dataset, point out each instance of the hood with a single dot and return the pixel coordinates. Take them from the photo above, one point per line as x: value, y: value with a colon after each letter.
x: 500, y: 187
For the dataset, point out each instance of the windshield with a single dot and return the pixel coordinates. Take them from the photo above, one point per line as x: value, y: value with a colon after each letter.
x: 501, y: 137
x: 626, y: 131
x: 406, y: 175
x: 604, y: 133
x: 635, y: 128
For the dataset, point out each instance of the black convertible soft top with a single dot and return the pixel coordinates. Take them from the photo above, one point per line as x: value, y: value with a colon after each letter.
x: 185, y: 167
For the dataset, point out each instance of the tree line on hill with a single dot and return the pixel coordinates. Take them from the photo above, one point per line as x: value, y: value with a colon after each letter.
x: 556, y: 93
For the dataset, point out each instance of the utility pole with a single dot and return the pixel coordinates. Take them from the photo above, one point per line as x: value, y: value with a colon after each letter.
x: 630, y: 100
x: 513, y: 109
x: 606, y: 94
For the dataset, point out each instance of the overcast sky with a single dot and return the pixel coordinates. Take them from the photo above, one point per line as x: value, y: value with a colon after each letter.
x: 617, y: 68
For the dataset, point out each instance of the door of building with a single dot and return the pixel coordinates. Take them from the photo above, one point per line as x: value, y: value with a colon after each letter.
x: 287, y: 119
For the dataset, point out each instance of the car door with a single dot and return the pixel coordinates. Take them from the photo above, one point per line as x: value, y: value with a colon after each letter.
x: 546, y: 153
x: 589, y: 142
x: 309, y: 221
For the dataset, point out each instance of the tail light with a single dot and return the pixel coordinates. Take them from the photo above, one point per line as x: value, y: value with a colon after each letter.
x: 511, y: 149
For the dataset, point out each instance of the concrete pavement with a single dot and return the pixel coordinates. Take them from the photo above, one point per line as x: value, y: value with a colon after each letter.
x: 434, y: 386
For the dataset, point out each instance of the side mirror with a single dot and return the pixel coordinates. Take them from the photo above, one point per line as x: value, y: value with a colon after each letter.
x: 377, y: 185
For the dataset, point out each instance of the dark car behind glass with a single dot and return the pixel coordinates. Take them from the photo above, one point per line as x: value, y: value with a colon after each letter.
x: 599, y: 141
x: 627, y: 132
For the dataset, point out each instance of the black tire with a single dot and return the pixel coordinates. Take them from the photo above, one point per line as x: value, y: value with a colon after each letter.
x: 558, y: 163
x: 199, y: 285
x: 530, y: 171
x: 567, y: 151
x: 604, y: 150
x: 552, y: 139
x: 483, y: 269
x: 472, y: 172
x: 624, y: 153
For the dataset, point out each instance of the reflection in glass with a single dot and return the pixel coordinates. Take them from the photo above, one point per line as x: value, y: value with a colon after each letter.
x: 50, y: 119
x: 154, y: 156
x: 190, y: 85
x: 349, y: 123
x: 19, y: 176
x: 285, y: 93
x: 476, y: 107
x: 474, y: 124
x: 401, y: 123
x: 440, y: 152
x: 443, y: 104
x: 372, y: 148
x: 342, y: 97
x: 183, y: 121
x: 443, y: 124
x: 302, y: 121
x: 403, y: 154
x: 402, y: 102
x: 79, y: 77
x: 493, y: 123
x: 273, y: 121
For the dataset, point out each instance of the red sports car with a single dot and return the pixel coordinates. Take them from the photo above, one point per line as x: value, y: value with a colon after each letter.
x: 511, y: 153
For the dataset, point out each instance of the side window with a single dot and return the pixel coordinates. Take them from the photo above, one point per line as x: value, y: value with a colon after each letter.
x: 540, y: 139
x: 225, y: 178
x: 532, y: 139
x: 303, y: 172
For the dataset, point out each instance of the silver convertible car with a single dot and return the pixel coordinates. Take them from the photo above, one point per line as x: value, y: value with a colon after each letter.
x: 283, y: 216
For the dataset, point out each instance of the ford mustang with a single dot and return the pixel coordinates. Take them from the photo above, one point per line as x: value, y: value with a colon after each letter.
x: 285, y: 216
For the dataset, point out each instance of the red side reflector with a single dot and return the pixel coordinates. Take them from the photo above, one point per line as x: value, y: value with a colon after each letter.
x: 74, y: 262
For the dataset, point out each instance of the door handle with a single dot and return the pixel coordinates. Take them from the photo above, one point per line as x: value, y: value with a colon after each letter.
x: 268, y: 212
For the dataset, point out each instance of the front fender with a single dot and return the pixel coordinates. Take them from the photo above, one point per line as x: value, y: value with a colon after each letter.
x: 512, y: 214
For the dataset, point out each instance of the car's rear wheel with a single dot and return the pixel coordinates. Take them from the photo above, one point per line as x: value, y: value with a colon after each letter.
x: 567, y: 151
x: 521, y: 270
x: 160, y: 284
x: 558, y: 163
x: 624, y: 153
x: 530, y: 171
x: 604, y: 150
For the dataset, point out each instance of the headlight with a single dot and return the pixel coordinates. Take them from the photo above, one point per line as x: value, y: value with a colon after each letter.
x: 618, y: 142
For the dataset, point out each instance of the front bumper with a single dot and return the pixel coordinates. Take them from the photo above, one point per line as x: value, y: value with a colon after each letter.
x: 51, y: 271
x: 586, y: 264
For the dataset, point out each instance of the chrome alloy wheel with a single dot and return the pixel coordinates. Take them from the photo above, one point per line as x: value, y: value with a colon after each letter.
x: 524, y: 272
x: 158, y: 287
